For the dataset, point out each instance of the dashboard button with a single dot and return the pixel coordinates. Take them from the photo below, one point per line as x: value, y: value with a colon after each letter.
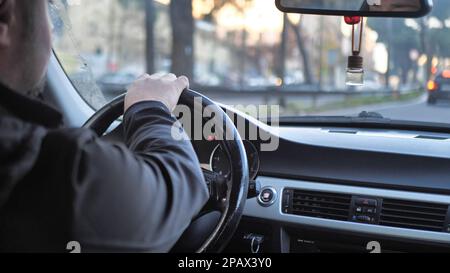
x: 366, y: 202
x: 363, y: 218
x: 370, y: 210
x: 267, y: 196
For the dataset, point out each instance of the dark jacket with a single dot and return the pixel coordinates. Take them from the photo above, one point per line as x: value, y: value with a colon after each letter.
x: 59, y: 185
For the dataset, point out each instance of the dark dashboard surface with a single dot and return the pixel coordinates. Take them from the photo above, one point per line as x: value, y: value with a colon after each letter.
x: 391, y: 159
x: 357, y: 167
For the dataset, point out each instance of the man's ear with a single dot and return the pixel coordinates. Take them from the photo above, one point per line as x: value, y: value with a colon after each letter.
x: 6, y: 15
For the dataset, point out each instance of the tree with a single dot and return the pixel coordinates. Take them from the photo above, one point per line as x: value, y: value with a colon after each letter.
x: 281, y: 67
x: 242, y: 49
x: 297, y: 29
x: 435, y: 41
x: 149, y: 40
x: 182, y: 22
x: 439, y: 38
x: 219, y: 4
x: 399, y: 44
x: 117, y: 39
x: 428, y: 41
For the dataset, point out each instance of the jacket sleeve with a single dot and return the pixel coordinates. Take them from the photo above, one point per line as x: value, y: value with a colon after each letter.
x: 140, y: 196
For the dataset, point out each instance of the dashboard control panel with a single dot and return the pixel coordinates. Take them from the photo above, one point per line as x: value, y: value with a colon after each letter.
x: 365, y: 209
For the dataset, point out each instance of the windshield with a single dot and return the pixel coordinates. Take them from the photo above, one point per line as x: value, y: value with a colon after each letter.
x: 246, y: 52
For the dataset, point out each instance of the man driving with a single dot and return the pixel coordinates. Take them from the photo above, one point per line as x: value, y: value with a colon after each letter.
x: 59, y: 185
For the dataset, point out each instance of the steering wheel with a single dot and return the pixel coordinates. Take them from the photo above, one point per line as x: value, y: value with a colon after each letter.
x: 215, y: 226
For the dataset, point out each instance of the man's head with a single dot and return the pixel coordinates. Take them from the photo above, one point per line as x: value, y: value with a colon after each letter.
x: 25, y: 43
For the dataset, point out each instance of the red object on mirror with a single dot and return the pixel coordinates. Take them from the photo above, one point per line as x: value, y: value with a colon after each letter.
x: 352, y: 20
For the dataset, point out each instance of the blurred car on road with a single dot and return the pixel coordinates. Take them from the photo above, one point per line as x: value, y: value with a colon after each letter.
x: 439, y: 88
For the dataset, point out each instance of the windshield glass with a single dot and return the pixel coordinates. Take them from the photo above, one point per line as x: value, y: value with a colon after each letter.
x: 246, y: 52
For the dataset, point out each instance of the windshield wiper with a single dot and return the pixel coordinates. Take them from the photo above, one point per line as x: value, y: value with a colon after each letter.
x: 365, y: 114
x: 369, y: 120
x: 362, y: 117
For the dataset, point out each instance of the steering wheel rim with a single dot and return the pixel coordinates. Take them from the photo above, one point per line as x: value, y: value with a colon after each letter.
x: 232, y: 145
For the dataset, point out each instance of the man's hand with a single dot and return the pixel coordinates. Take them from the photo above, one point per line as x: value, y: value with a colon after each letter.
x: 158, y: 87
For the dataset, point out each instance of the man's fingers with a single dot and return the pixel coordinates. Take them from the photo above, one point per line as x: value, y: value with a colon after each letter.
x: 157, y: 76
x: 182, y: 83
x: 169, y: 77
x: 165, y: 88
x: 143, y: 76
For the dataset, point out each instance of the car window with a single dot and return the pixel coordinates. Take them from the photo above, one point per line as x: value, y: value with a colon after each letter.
x: 247, y: 52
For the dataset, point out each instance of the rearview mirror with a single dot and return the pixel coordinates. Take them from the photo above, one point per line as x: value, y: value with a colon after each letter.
x: 366, y: 8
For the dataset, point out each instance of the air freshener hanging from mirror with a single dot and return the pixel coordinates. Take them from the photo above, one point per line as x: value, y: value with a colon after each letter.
x: 355, y: 70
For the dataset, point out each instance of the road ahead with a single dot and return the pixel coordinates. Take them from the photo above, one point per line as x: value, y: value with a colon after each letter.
x: 417, y: 110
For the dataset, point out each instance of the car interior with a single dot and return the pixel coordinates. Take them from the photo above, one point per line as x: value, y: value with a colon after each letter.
x: 362, y: 183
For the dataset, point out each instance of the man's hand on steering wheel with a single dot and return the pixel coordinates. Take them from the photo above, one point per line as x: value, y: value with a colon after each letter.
x: 165, y: 88
x: 212, y: 230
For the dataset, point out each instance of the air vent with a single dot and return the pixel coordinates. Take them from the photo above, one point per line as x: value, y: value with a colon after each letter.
x: 413, y: 215
x: 320, y: 204
x: 350, y: 132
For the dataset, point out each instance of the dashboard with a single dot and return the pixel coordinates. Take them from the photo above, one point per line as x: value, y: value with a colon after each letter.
x: 389, y: 187
x: 219, y: 163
